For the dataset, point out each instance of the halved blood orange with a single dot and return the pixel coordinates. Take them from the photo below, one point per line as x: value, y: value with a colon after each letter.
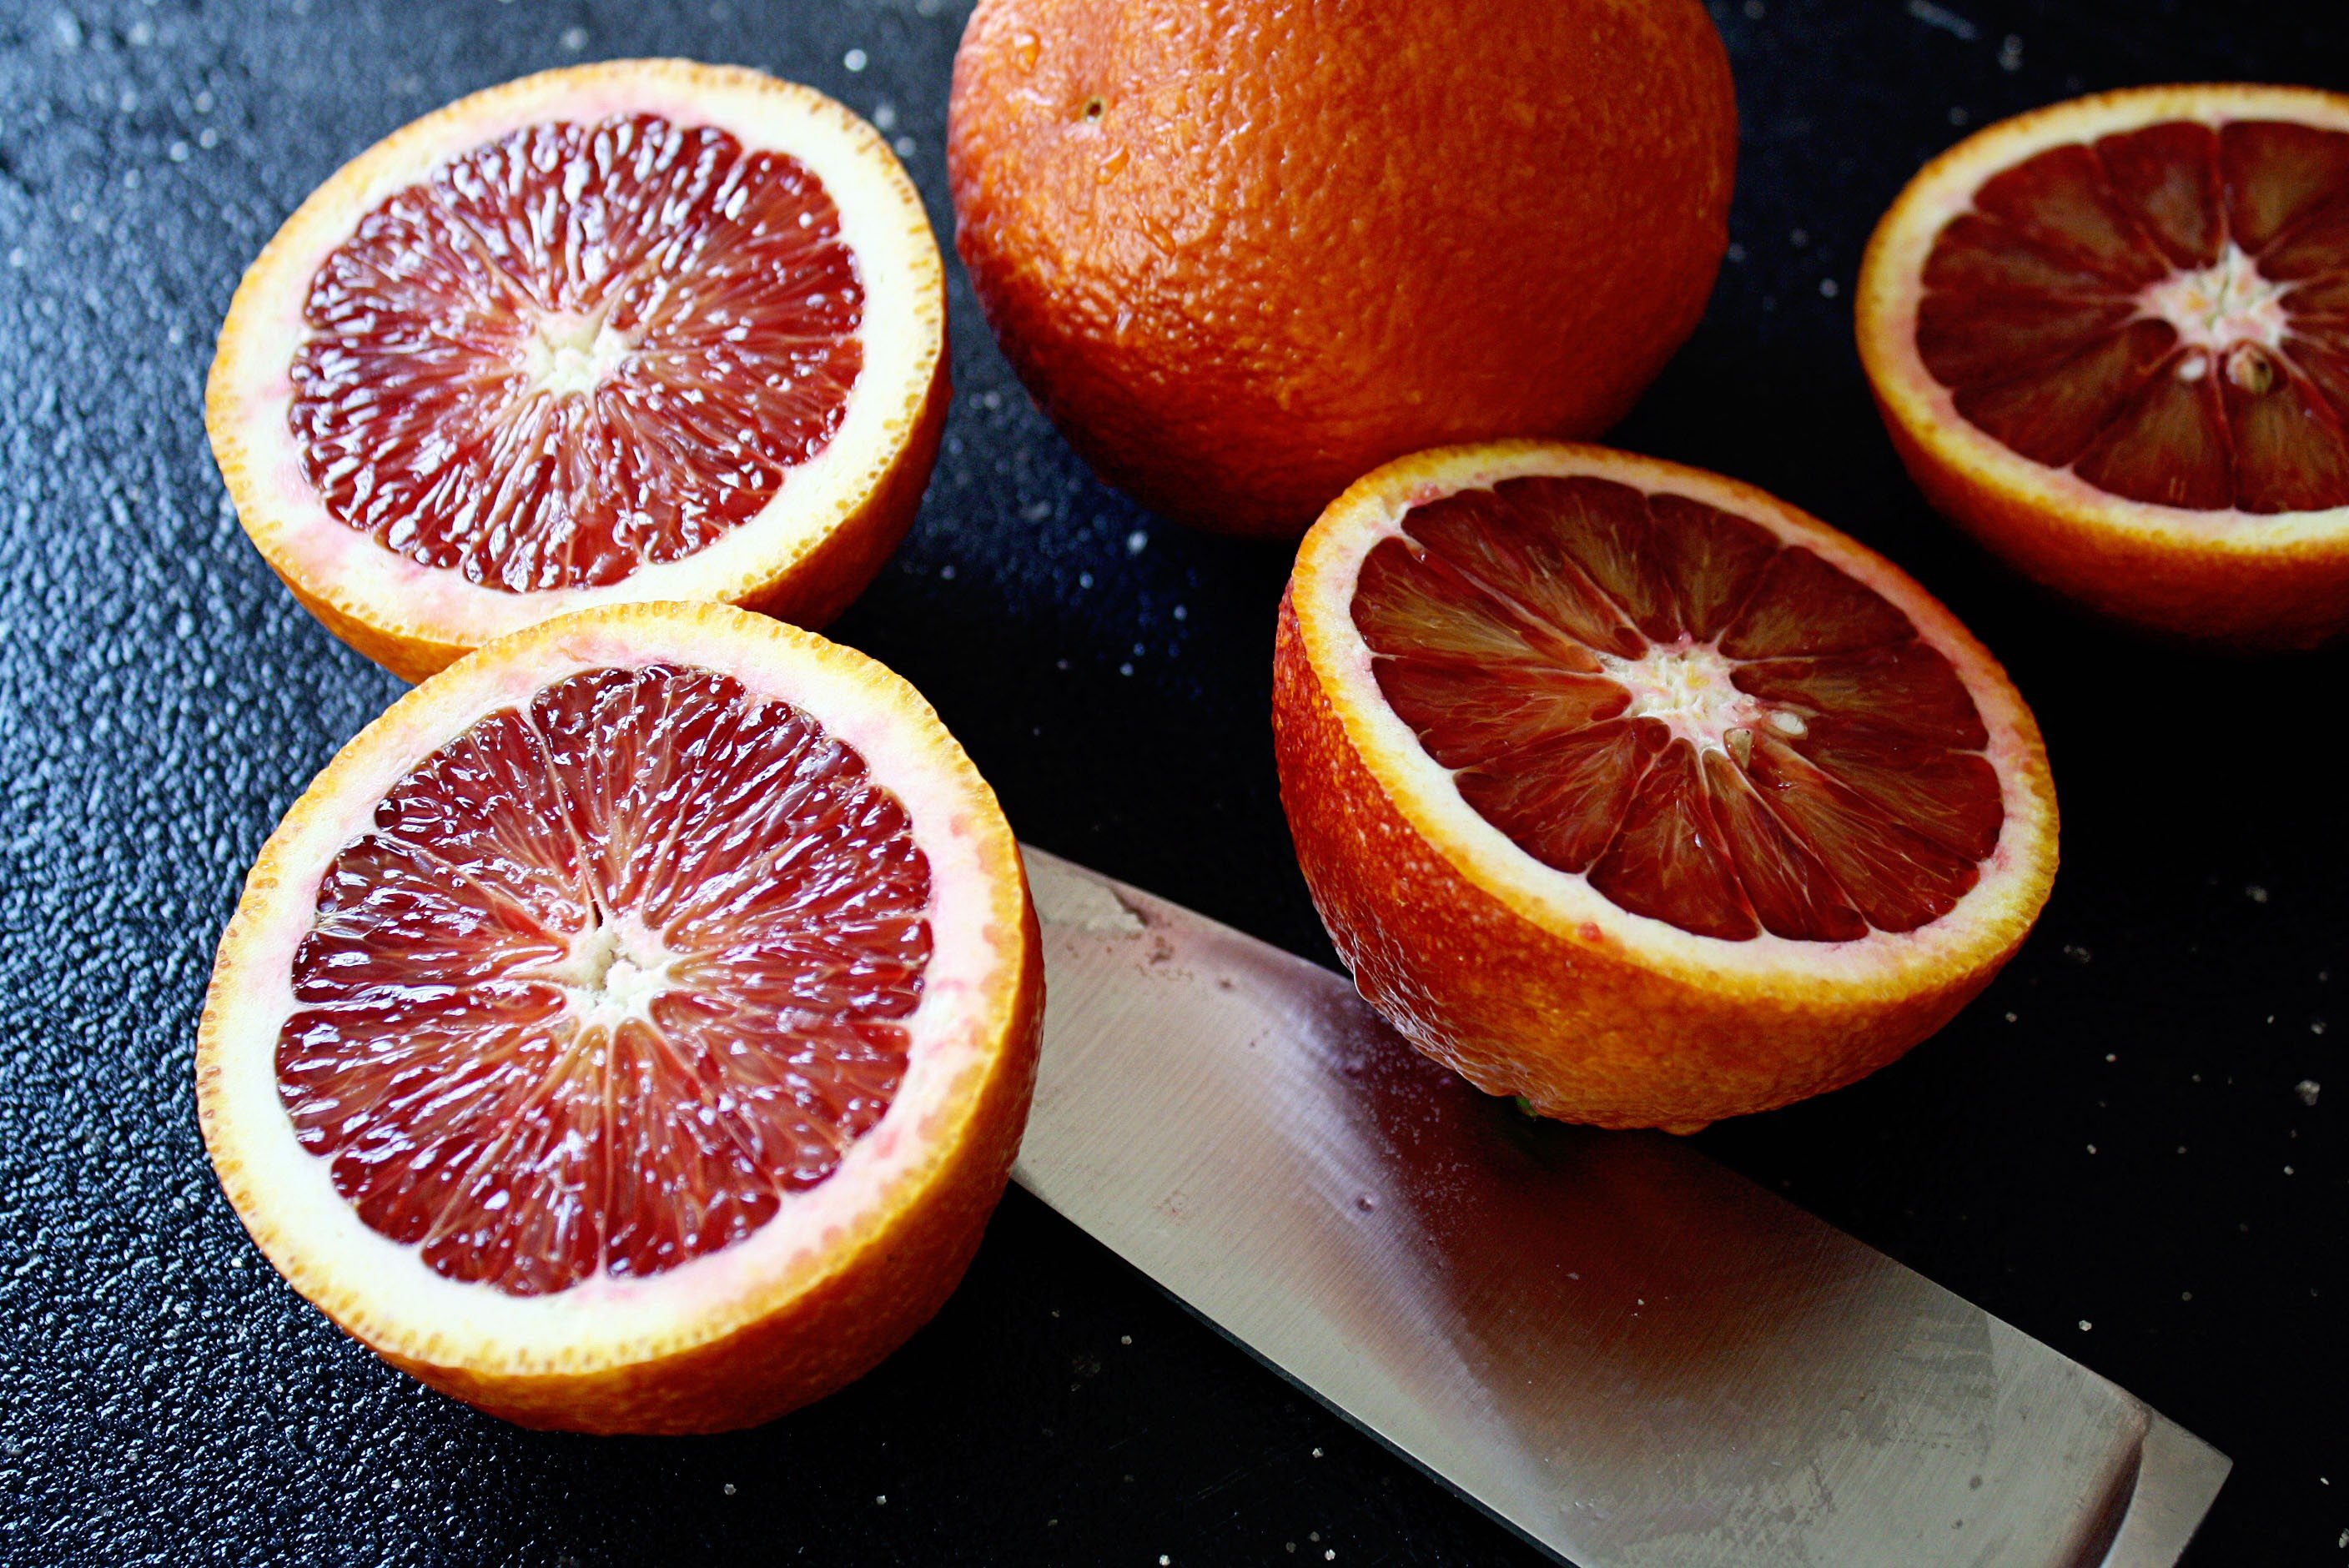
x: 1632, y: 791
x: 631, y: 1030
x: 642, y: 330
x: 2111, y: 337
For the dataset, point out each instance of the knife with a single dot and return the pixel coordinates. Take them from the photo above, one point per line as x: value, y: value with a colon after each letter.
x: 1625, y: 1352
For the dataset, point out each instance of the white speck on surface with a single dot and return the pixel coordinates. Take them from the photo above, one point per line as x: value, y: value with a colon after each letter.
x: 67, y: 28
x: 905, y: 146
x: 1829, y: 288
x: 856, y: 59
x: 2075, y: 953
x: 1316, y: 1454
x: 179, y: 152
x: 2287, y: 1170
x: 2084, y: 1325
x: 1736, y: 251
x: 2112, y: 1056
x: 1330, y: 1555
x: 885, y: 116
x: 1137, y: 542
x: 882, y: 1499
x: 574, y: 39
x: 141, y: 34
x: 729, y: 1488
x: 1164, y: 1560
x: 946, y: 572
x: 208, y: 137
x: 2092, y: 1149
x: 1798, y: 238
x: 2308, y: 1090
x: 1182, y: 613
x: 1125, y: 669
x: 2256, y: 893
x: 1084, y: 579
x: 1125, y: 1339
x: 17, y: 255
x: 1947, y: 20
x: 2010, y: 1017
x: 2316, y: 1026
x: 2186, y: 1295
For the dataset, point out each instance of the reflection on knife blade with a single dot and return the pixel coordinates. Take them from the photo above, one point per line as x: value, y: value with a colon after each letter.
x: 1626, y: 1352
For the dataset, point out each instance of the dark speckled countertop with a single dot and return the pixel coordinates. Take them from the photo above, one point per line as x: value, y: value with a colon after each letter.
x: 2132, y: 1146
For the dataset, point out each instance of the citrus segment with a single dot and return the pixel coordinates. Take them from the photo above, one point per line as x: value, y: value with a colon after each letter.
x: 1728, y: 732
x: 541, y: 1054
x: 640, y: 330
x: 632, y: 1029
x: 1634, y: 791
x: 2140, y: 291
x: 551, y: 402
x: 2110, y: 337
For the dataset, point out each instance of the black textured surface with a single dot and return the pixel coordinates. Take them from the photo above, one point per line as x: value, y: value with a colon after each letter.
x: 2114, y: 1148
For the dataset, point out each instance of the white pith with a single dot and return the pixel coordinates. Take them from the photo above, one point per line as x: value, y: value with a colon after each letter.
x: 1890, y: 291
x: 2216, y: 308
x: 571, y: 354
x: 1424, y: 793
x: 1688, y: 687
x: 382, y: 1289
x: 902, y: 334
x: 611, y: 972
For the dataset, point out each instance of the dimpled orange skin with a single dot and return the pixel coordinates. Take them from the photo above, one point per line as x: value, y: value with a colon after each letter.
x: 1242, y: 253
x: 1470, y: 982
x: 2209, y: 590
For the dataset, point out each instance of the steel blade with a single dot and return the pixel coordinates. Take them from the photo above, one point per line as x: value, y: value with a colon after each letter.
x: 1627, y: 1352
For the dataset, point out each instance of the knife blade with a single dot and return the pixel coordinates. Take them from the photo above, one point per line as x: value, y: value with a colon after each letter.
x: 1628, y: 1354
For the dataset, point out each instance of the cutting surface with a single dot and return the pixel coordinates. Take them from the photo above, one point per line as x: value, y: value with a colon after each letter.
x: 2131, y: 1147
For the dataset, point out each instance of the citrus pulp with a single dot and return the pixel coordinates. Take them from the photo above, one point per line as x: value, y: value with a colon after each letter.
x: 631, y: 1030
x: 2111, y: 338
x: 1634, y: 791
x: 641, y: 330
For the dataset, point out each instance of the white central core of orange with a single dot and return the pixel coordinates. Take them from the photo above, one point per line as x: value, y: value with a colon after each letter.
x: 569, y: 353
x: 611, y: 972
x: 2218, y: 306
x: 1686, y: 687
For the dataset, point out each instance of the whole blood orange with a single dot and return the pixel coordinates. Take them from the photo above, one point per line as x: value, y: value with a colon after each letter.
x: 642, y: 330
x: 1242, y: 250
x: 632, y: 1029
x: 1628, y: 789
x: 2112, y: 339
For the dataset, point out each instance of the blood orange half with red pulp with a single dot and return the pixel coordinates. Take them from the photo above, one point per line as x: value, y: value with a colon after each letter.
x: 638, y: 330
x: 1637, y: 792
x: 632, y: 1029
x: 2112, y: 337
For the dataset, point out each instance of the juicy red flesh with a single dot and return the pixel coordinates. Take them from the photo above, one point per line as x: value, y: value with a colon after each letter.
x: 2036, y: 316
x: 472, y: 1105
x: 705, y: 291
x: 1840, y: 786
